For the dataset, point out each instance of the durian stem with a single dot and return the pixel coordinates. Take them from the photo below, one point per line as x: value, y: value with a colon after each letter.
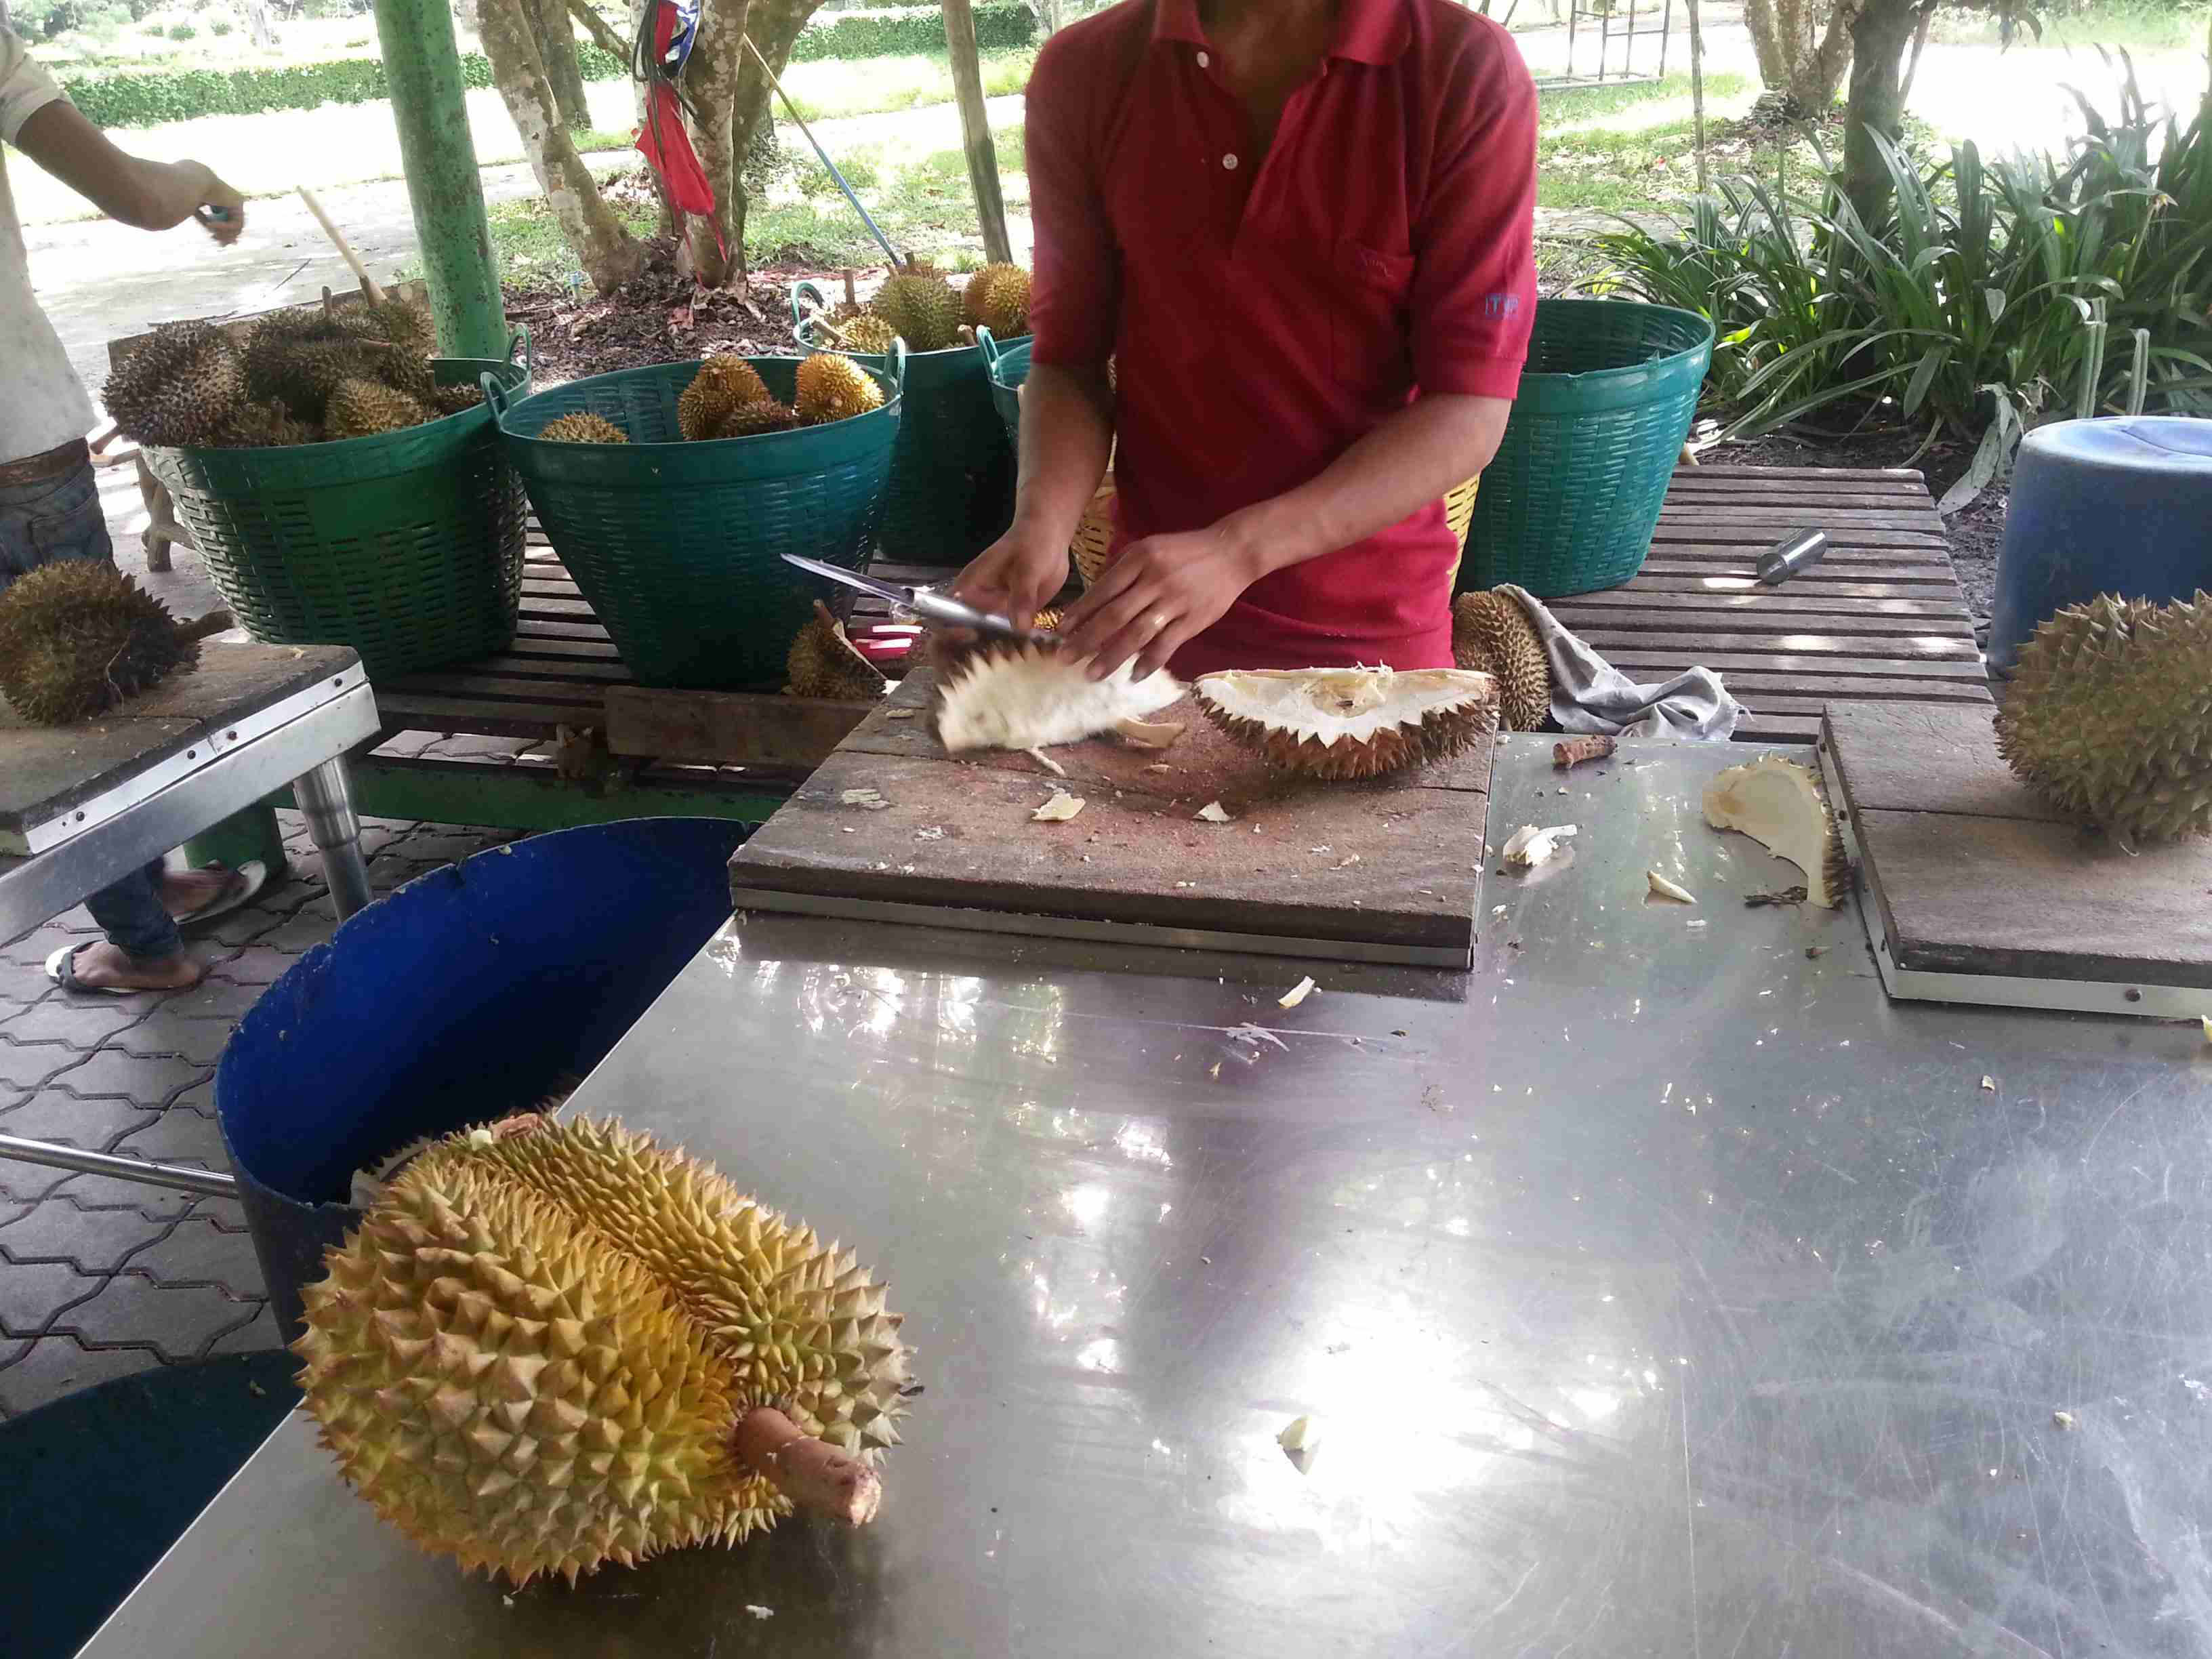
x: 1574, y: 750
x: 817, y: 1478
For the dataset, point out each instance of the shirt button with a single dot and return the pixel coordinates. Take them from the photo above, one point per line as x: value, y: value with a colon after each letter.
x: 1204, y: 61
x: 1229, y: 161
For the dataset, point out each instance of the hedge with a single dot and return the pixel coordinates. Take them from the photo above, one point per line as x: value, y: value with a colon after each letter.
x: 147, y: 99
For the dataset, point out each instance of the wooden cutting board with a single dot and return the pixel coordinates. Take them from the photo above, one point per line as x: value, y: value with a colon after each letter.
x: 1978, y: 890
x: 891, y: 826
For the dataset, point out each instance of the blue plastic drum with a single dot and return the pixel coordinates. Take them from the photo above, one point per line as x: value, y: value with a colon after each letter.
x: 470, y: 993
x: 2103, y: 507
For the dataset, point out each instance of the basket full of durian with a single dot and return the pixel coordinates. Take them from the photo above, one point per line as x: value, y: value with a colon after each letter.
x: 951, y: 492
x: 671, y: 493
x: 343, y: 483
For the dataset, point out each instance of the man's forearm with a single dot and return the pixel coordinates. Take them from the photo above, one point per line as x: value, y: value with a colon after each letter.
x: 1417, y: 455
x: 1068, y: 439
x: 146, y: 194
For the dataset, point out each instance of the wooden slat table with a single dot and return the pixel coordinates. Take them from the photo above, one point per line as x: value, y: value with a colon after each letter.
x: 1881, y: 618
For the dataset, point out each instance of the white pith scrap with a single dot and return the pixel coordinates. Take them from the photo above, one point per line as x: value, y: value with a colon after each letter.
x: 1339, y: 705
x: 1778, y: 804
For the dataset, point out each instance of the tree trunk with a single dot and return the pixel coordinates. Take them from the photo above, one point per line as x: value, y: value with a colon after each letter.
x: 731, y: 95
x: 1803, y: 48
x: 975, y: 131
x: 609, y: 255
x: 1880, y: 38
x: 556, y: 49
x: 257, y: 26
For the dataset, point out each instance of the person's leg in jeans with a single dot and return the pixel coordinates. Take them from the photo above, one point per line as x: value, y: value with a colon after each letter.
x: 60, y: 518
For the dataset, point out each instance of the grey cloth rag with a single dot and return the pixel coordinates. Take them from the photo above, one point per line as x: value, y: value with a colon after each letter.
x: 1589, y: 693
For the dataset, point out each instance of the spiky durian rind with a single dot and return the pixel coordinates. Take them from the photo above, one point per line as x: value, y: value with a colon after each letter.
x: 1491, y: 633
x: 1462, y: 711
x: 833, y: 388
x: 363, y: 408
x: 1009, y: 695
x: 870, y: 334
x: 582, y: 428
x: 533, y: 1352
x: 751, y: 419
x: 822, y: 663
x: 266, y: 426
x: 922, y: 308
x: 1780, y: 804
x: 723, y: 383
x: 178, y: 387
x: 2109, y: 715
x: 77, y: 636
x: 457, y: 399
x: 1004, y: 305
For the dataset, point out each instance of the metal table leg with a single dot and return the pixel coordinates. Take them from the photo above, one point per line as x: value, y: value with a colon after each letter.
x: 326, y: 796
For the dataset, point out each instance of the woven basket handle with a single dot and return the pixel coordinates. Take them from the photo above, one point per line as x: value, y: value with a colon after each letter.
x: 806, y: 299
x: 494, y: 397
x: 895, y: 363
x: 992, y: 349
x: 520, y: 336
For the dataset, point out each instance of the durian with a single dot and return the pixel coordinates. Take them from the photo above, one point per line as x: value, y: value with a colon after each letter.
x: 1004, y: 304
x: 582, y: 428
x: 823, y: 663
x: 921, y: 308
x: 457, y: 399
x: 1351, y: 722
x: 77, y: 636
x: 751, y: 420
x: 403, y: 322
x: 265, y: 426
x: 1778, y: 804
x: 178, y: 387
x: 1491, y: 633
x: 304, y: 373
x: 2109, y: 715
x: 972, y: 296
x: 722, y: 383
x: 1031, y: 696
x: 546, y: 1350
x: 361, y: 409
x: 832, y: 387
x: 870, y: 335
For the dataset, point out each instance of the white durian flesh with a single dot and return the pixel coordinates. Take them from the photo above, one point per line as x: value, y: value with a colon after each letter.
x: 1352, y: 722
x: 1034, y: 697
x: 1778, y: 804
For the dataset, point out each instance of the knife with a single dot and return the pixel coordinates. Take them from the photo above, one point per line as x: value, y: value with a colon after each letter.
x: 924, y: 602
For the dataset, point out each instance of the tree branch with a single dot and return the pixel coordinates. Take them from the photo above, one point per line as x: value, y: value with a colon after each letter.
x: 596, y: 27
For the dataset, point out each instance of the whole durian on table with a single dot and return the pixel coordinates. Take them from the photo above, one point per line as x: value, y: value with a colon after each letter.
x: 77, y: 636
x: 2109, y: 715
x: 361, y: 409
x: 1491, y: 633
x: 178, y: 388
x: 553, y: 1344
x: 833, y: 388
x: 723, y: 383
x: 583, y: 427
x: 921, y: 308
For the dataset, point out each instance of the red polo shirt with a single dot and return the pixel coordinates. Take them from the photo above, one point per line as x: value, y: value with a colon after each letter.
x: 1267, y: 313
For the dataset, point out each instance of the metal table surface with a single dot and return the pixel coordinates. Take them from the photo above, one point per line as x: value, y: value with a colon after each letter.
x: 1661, y: 1290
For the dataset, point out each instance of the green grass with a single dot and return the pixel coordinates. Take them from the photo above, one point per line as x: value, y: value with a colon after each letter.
x: 1627, y: 149
x: 826, y: 88
x: 2136, y: 25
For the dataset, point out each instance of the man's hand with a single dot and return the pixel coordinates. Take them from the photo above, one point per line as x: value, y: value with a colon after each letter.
x: 1162, y: 592
x: 220, y: 208
x: 149, y: 195
x: 1016, y: 575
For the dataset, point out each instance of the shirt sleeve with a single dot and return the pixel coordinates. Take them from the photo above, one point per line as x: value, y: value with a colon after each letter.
x: 25, y: 88
x: 1473, y: 298
x: 1075, y: 278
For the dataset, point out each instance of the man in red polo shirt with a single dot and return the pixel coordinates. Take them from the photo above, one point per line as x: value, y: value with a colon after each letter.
x: 1302, y: 229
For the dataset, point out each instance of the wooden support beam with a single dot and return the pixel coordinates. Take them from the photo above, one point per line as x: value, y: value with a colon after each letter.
x: 976, y: 129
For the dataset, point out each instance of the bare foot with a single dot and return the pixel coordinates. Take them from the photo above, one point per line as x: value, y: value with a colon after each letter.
x: 187, y: 892
x: 101, y: 966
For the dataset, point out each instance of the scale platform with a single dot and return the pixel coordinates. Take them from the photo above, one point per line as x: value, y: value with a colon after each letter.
x: 1977, y: 890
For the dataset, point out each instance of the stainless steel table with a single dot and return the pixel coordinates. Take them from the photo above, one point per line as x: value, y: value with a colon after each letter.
x: 1661, y: 1289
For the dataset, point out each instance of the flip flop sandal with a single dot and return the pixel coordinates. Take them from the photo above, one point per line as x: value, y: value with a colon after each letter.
x: 61, y: 970
x: 245, y: 886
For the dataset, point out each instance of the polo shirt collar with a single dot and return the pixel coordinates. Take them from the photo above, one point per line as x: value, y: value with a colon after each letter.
x: 1367, y: 31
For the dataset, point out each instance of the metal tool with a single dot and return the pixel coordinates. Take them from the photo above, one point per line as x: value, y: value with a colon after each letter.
x: 1799, y: 550
x: 924, y: 602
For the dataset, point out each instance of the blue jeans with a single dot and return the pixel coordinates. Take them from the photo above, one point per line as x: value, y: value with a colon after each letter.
x: 60, y: 518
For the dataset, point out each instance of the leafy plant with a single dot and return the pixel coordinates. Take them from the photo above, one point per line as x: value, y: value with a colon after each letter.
x: 181, y: 32
x: 1972, y: 309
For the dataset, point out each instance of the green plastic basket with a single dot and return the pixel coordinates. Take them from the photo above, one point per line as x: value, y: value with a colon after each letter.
x: 1007, y: 366
x: 679, y: 546
x: 406, y: 546
x: 1570, y: 501
x: 952, y: 491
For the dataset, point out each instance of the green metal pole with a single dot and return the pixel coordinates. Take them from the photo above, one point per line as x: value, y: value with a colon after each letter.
x: 439, y: 155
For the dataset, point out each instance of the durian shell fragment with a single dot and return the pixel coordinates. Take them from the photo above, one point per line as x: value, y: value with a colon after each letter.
x: 533, y: 1353
x: 1779, y: 804
x: 78, y: 636
x: 2109, y: 715
x: 1492, y: 634
x: 1344, y: 723
x: 823, y: 663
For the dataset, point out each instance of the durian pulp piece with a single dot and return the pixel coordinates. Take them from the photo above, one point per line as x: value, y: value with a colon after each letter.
x: 1528, y: 846
x: 1778, y: 804
x: 1033, y: 696
x: 538, y: 1350
x: 1352, y: 722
